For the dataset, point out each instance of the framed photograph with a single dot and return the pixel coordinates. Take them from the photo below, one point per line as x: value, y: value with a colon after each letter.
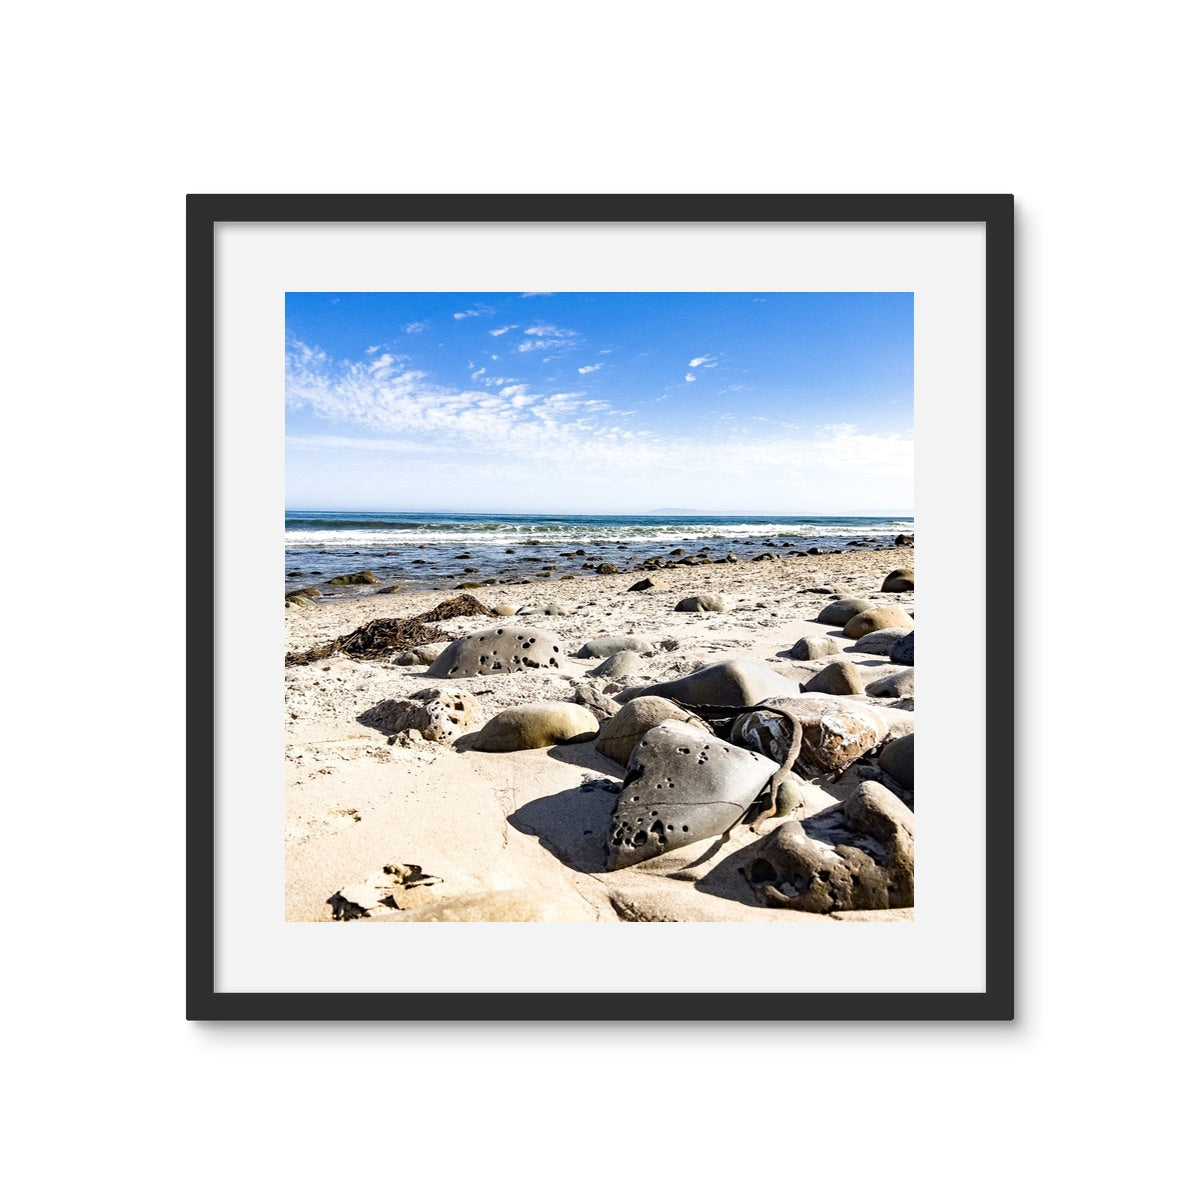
x: 561, y: 657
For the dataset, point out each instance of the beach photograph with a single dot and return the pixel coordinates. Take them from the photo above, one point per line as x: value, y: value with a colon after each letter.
x: 599, y: 607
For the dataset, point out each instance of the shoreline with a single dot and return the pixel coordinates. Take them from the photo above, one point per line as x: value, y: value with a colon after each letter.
x: 498, y: 823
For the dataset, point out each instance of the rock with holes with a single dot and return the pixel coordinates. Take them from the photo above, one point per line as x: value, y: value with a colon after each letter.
x: 808, y: 648
x: 437, y: 714
x: 716, y: 602
x: 901, y: 652
x: 683, y: 786
x: 888, y: 616
x: 624, y: 662
x: 879, y: 641
x: 605, y: 647
x: 540, y: 610
x: 840, y: 678
x: 857, y: 855
x: 620, y: 737
x: 894, y: 686
x: 896, y: 758
x: 533, y: 726
x: 499, y: 649
x: 834, y: 732
x: 841, y: 610
x: 899, y: 581
x: 733, y: 683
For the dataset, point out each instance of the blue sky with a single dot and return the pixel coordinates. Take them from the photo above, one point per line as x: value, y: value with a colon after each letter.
x: 600, y: 402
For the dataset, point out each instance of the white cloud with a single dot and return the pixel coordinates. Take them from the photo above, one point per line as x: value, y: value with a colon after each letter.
x: 471, y: 312
x: 689, y: 378
x: 503, y: 330
x: 705, y: 360
x: 416, y: 327
x: 544, y: 330
x: 589, y: 370
x: 371, y: 350
x: 526, y: 295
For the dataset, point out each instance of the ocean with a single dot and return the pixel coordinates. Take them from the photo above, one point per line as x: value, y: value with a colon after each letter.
x: 430, y: 550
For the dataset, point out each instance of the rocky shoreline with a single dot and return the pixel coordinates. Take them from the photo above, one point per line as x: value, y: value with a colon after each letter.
x: 720, y: 741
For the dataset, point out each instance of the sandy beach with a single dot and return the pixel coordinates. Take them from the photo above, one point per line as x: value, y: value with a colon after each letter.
x: 395, y: 825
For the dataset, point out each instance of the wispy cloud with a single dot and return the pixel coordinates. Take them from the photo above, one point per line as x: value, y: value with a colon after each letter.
x: 499, y: 332
x: 416, y: 327
x: 526, y: 295
x: 471, y: 312
x: 589, y: 370
x: 547, y: 337
x: 705, y: 360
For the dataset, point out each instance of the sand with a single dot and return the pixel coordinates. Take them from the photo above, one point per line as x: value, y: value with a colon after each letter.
x: 521, y: 835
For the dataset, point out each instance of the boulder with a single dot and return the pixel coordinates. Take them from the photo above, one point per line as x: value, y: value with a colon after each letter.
x: 903, y: 539
x: 502, y: 649
x: 683, y: 785
x: 841, y: 610
x: 504, y: 610
x: 533, y: 726
x: 643, y: 585
x: 607, y: 568
x: 834, y: 732
x: 896, y: 758
x: 420, y: 655
x: 899, y: 581
x: 735, y: 682
x: 542, y: 610
x: 357, y: 577
x: 858, y: 855
x: 880, y: 641
x: 437, y: 714
x: 634, y: 720
x: 624, y: 662
x: 595, y: 701
x: 902, y: 651
x: 808, y: 648
x: 889, y: 616
x: 706, y: 602
x: 607, y: 646
x: 841, y: 678
x: 894, y: 686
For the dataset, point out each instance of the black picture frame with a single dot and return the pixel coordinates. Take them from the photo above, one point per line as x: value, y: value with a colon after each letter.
x: 995, y: 212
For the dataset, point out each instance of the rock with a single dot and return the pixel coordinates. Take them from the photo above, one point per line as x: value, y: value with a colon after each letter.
x: 377, y: 891
x: 420, y: 655
x: 903, y: 539
x: 880, y: 641
x: 436, y: 714
x: 683, y: 785
x: 357, y: 577
x: 546, y: 610
x: 501, y: 649
x: 533, y: 726
x: 896, y: 758
x: 899, y: 581
x: 841, y: 610
x: 643, y: 585
x: 620, y: 737
x: 299, y: 593
x: 841, y: 678
x: 607, y: 568
x: 298, y: 600
x: 624, y: 662
x: 767, y: 557
x: 606, y: 646
x: 856, y: 856
x: 808, y: 648
x: 735, y: 682
x: 894, y: 686
x: 886, y: 617
x: 504, y: 610
x: 511, y: 906
x: 834, y: 732
x: 902, y: 651
x: 595, y: 701
x: 706, y: 602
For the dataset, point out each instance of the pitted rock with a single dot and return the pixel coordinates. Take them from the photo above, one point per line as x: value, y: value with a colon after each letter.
x: 620, y: 737
x: 500, y: 649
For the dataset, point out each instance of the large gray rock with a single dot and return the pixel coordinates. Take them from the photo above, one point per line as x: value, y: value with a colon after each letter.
x: 840, y: 611
x: 683, y: 786
x: 896, y: 758
x: 532, y: 726
x: 901, y: 652
x: 605, y: 647
x: 899, y: 581
x: 858, y: 855
x: 620, y: 737
x: 624, y: 662
x: 894, y: 686
x: 706, y: 602
x: 500, y: 649
x: 808, y: 648
x: 887, y: 616
x: 879, y: 641
x: 840, y: 678
x: 734, y: 683
x: 834, y: 732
